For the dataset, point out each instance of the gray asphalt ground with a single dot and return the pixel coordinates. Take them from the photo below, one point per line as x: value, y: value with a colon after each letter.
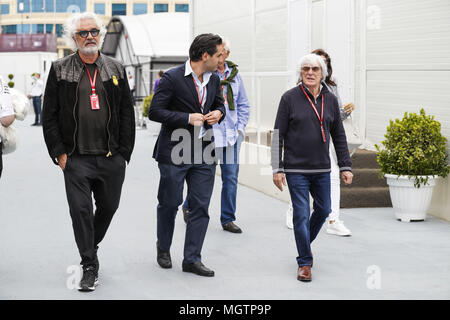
x: 37, y: 247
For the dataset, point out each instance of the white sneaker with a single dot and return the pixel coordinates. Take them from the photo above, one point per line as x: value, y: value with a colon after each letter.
x: 289, y: 217
x: 338, y: 228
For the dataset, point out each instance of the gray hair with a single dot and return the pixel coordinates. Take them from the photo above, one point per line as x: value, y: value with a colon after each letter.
x: 71, y: 26
x: 312, y: 59
x: 227, y: 45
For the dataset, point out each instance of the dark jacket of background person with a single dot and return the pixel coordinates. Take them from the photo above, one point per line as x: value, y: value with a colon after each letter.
x: 174, y: 99
x: 300, y: 134
x: 60, y: 102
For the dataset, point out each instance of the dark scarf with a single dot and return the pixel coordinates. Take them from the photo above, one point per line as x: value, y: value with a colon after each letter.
x: 228, y: 81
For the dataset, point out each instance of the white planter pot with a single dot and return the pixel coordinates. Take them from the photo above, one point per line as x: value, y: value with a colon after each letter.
x: 409, y: 202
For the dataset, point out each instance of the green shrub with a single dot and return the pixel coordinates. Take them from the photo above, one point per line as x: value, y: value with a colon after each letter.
x: 146, y: 105
x: 414, y: 146
x: 11, y: 84
x: 10, y: 76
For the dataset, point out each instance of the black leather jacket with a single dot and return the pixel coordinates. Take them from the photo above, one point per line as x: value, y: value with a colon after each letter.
x: 59, y: 114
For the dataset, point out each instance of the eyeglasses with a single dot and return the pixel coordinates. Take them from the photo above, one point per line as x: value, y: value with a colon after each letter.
x: 307, y: 68
x: 84, y: 33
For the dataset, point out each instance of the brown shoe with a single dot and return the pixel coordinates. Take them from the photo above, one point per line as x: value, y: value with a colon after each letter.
x: 304, y: 274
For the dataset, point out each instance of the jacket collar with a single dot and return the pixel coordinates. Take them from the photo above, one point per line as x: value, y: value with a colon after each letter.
x: 98, y: 62
x: 323, y: 89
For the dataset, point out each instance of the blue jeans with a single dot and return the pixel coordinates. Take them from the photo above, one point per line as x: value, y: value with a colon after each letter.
x: 229, y: 166
x: 37, y: 102
x: 307, y: 227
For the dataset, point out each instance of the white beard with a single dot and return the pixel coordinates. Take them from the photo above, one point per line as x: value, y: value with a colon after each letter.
x: 88, y: 50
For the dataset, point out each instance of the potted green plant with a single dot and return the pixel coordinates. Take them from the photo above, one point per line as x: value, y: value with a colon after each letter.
x: 413, y: 156
x: 152, y: 127
x: 146, y: 105
x: 11, y: 83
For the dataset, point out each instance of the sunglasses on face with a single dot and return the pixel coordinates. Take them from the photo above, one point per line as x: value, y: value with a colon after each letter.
x: 84, y: 33
x: 307, y: 68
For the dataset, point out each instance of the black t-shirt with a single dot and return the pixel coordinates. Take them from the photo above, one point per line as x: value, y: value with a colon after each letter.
x: 92, y: 124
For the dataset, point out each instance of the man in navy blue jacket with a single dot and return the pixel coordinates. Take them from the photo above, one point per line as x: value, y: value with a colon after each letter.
x: 308, y: 117
x: 187, y: 102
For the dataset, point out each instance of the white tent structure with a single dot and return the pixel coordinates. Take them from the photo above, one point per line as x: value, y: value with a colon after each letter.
x: 148, y: 43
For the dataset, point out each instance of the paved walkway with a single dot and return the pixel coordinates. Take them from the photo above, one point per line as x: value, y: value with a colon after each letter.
x: 37, y: 243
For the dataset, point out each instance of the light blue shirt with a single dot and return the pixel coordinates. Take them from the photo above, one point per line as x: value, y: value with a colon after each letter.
x: 227, y: 132
x: 200, y: 86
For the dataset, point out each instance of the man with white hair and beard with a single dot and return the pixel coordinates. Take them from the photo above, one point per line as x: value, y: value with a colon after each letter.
x: 89, y: 130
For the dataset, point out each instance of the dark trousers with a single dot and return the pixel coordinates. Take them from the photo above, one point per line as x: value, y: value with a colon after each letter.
x: 200, y: 182
x: 306, y: 227
x: 229, y: 166
x: 103, y: 177
x: 37, y: 102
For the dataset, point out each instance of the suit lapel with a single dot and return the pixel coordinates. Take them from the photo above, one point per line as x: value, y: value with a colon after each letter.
x: 189, y: 80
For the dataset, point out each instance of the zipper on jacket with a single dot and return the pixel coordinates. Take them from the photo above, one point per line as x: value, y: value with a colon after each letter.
x: 74, y: 117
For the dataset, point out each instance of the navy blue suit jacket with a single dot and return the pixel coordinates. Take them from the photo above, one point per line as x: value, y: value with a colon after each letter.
x: 175, y: 98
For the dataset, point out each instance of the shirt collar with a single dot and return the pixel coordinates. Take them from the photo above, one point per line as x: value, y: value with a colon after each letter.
x: 188, y: 71
x: 227, y: 70
x: 188, y: 68
x: 320, y: 90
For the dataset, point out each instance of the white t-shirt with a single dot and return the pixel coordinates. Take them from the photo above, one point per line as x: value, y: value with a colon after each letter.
x: 6, y: 106
x: 38, y: 88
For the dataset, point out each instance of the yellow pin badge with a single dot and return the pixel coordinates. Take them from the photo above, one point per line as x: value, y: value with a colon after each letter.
x: 115, y: 81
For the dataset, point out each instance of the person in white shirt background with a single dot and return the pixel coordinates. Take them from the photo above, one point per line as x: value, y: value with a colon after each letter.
x: 36, y: 95
x: 132, y: 85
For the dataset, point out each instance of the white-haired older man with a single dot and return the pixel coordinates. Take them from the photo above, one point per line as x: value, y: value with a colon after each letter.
x: 228, y: 136
x: 89, y: 130
x: 308, y: 116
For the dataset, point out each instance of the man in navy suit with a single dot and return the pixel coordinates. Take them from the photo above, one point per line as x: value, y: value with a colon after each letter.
x: 187, y: 102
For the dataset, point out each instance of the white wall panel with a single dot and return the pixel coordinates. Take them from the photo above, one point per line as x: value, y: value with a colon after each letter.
x: 408, y: 61
x: 391, y: 94
x: 338, y: 44
x: 265, y: 5
x: 410, y: 34
x: 317, y: 24
x: 272, y: 40
x: 209, y: 12
x: 271, y: 89
x: 238, y: 31
x: 299, y: 35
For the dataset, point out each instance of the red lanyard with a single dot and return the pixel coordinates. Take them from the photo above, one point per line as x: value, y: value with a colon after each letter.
x: 90, y: 79
x: 198, y: 93
x: 317, y: 113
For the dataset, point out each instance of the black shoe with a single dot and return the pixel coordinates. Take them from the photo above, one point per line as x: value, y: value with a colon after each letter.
x: 231, y: 227
x: 34, y: 124
x: 198, y: 268
x: 185, y: 213
x: 89, y: 280
x: 163, y: 258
